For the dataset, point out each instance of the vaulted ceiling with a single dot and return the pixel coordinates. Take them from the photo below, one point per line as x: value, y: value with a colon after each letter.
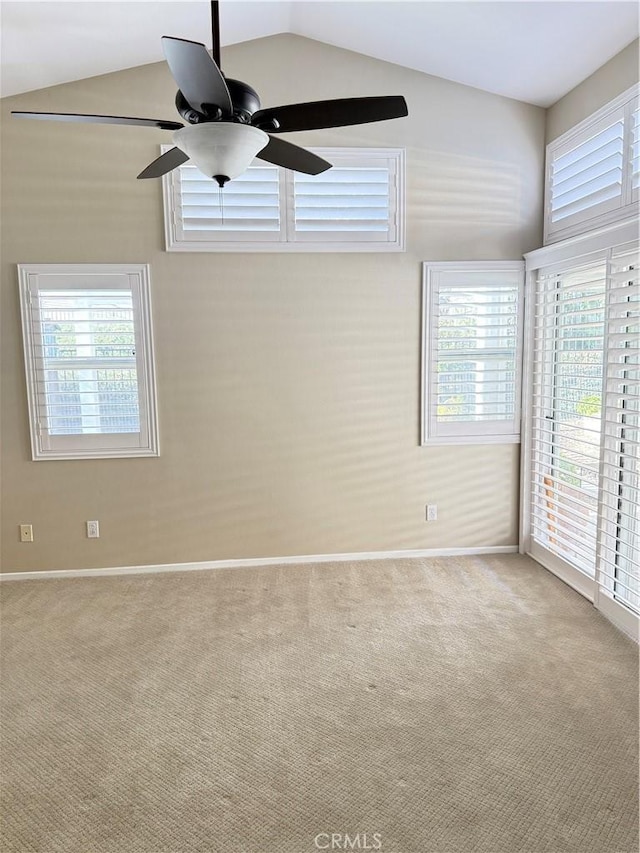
x: 531, y: 51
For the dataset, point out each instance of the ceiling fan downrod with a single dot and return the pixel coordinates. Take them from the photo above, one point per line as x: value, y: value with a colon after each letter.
x: 215, y: 32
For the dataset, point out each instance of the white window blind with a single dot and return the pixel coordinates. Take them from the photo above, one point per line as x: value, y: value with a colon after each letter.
x: 357, y: 205
x: 471, y: 352
x: 619, y: 543
x: 590, y: 177
x: 89, y: 361
x: 569, y: 346
x: 585, y: 436
x: 248, y: 205
x: 346, y: 203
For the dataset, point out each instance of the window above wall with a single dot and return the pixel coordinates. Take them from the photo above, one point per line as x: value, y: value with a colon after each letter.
x: 471, y: 352
x: 356, y: 206
x: 89, y: 360
x: 593, y: 171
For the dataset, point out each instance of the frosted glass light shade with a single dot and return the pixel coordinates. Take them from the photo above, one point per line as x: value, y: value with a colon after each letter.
x: 221, y: 149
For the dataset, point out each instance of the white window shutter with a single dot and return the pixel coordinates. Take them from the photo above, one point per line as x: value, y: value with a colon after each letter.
x: 586, y: 179
x: 619, y: 545
x: 568, y: 369
x: 345, y: 203
x: 592, y: 171
x: 357, y: 205
x: 89, y: 360
x: 472, y: 349
x: 247, y: 208
x: 584, y: 445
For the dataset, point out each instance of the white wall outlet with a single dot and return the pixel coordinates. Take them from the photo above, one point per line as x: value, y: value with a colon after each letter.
x: 93, y: 530
x: 26, y: 533
x: 432, y: 512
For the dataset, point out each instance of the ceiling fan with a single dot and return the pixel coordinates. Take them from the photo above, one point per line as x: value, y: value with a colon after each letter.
x: 225, y: 127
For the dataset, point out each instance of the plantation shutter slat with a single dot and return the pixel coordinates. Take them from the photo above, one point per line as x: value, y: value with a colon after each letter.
x: 589, y: 197
x: 580, y: 172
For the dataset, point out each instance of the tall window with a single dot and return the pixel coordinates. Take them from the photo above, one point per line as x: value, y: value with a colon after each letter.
x: 89, y: 360
x: 471, y: 352
x: 568, y: 373
x: 356, y: 206
x: 585, y: 435
x: 581, y: 454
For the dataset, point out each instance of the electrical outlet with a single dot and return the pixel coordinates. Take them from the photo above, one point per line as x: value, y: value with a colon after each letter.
x: 26, y: 533
x: 432, y: 512
x: 93, y: 530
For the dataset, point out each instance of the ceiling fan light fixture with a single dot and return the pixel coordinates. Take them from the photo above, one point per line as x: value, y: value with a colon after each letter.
x: 222, y: 150
x: 227, y: 128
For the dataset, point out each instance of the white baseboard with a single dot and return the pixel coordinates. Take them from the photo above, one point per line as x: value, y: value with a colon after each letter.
x: 255, y: 561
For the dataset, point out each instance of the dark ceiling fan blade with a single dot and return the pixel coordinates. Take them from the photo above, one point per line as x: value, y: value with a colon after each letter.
x: 91, y: 119
x: 338, y: 113
x: 197, y: 75
x: 291, y: 156
x: 166, y: 162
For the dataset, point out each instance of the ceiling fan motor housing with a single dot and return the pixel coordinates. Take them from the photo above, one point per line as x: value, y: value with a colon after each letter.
x: 186, y: 110
x: 244, y: 98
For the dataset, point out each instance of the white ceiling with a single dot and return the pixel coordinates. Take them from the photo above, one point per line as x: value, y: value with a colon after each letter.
x: 532, y: 51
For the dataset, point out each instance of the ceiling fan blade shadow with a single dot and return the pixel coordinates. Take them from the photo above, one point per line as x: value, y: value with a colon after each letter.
x: 94, y: 119
x: 337, y: 113
x: 197, y: 75
x: 291, y: 156
x: 166, y: 162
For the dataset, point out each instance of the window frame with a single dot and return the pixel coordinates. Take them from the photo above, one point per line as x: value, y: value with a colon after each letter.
x: 287, y: 239
x: 621, y: 108
x: 32, y: 281
x: 507, y: 432
x: 562, y: 255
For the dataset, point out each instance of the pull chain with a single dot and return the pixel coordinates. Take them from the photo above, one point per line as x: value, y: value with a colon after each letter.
x: 221, y: 203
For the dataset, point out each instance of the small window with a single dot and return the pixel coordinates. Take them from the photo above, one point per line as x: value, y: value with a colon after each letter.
x: 89, y: 360
x: 471, y: 340
x: 356, y: 206
x: 592, y: 170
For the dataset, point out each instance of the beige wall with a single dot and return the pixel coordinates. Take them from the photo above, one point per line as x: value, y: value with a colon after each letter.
x: 617, y: 75
x: 288, y: 384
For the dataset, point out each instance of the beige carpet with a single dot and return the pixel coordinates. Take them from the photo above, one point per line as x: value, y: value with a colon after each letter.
x: 433, y: 706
